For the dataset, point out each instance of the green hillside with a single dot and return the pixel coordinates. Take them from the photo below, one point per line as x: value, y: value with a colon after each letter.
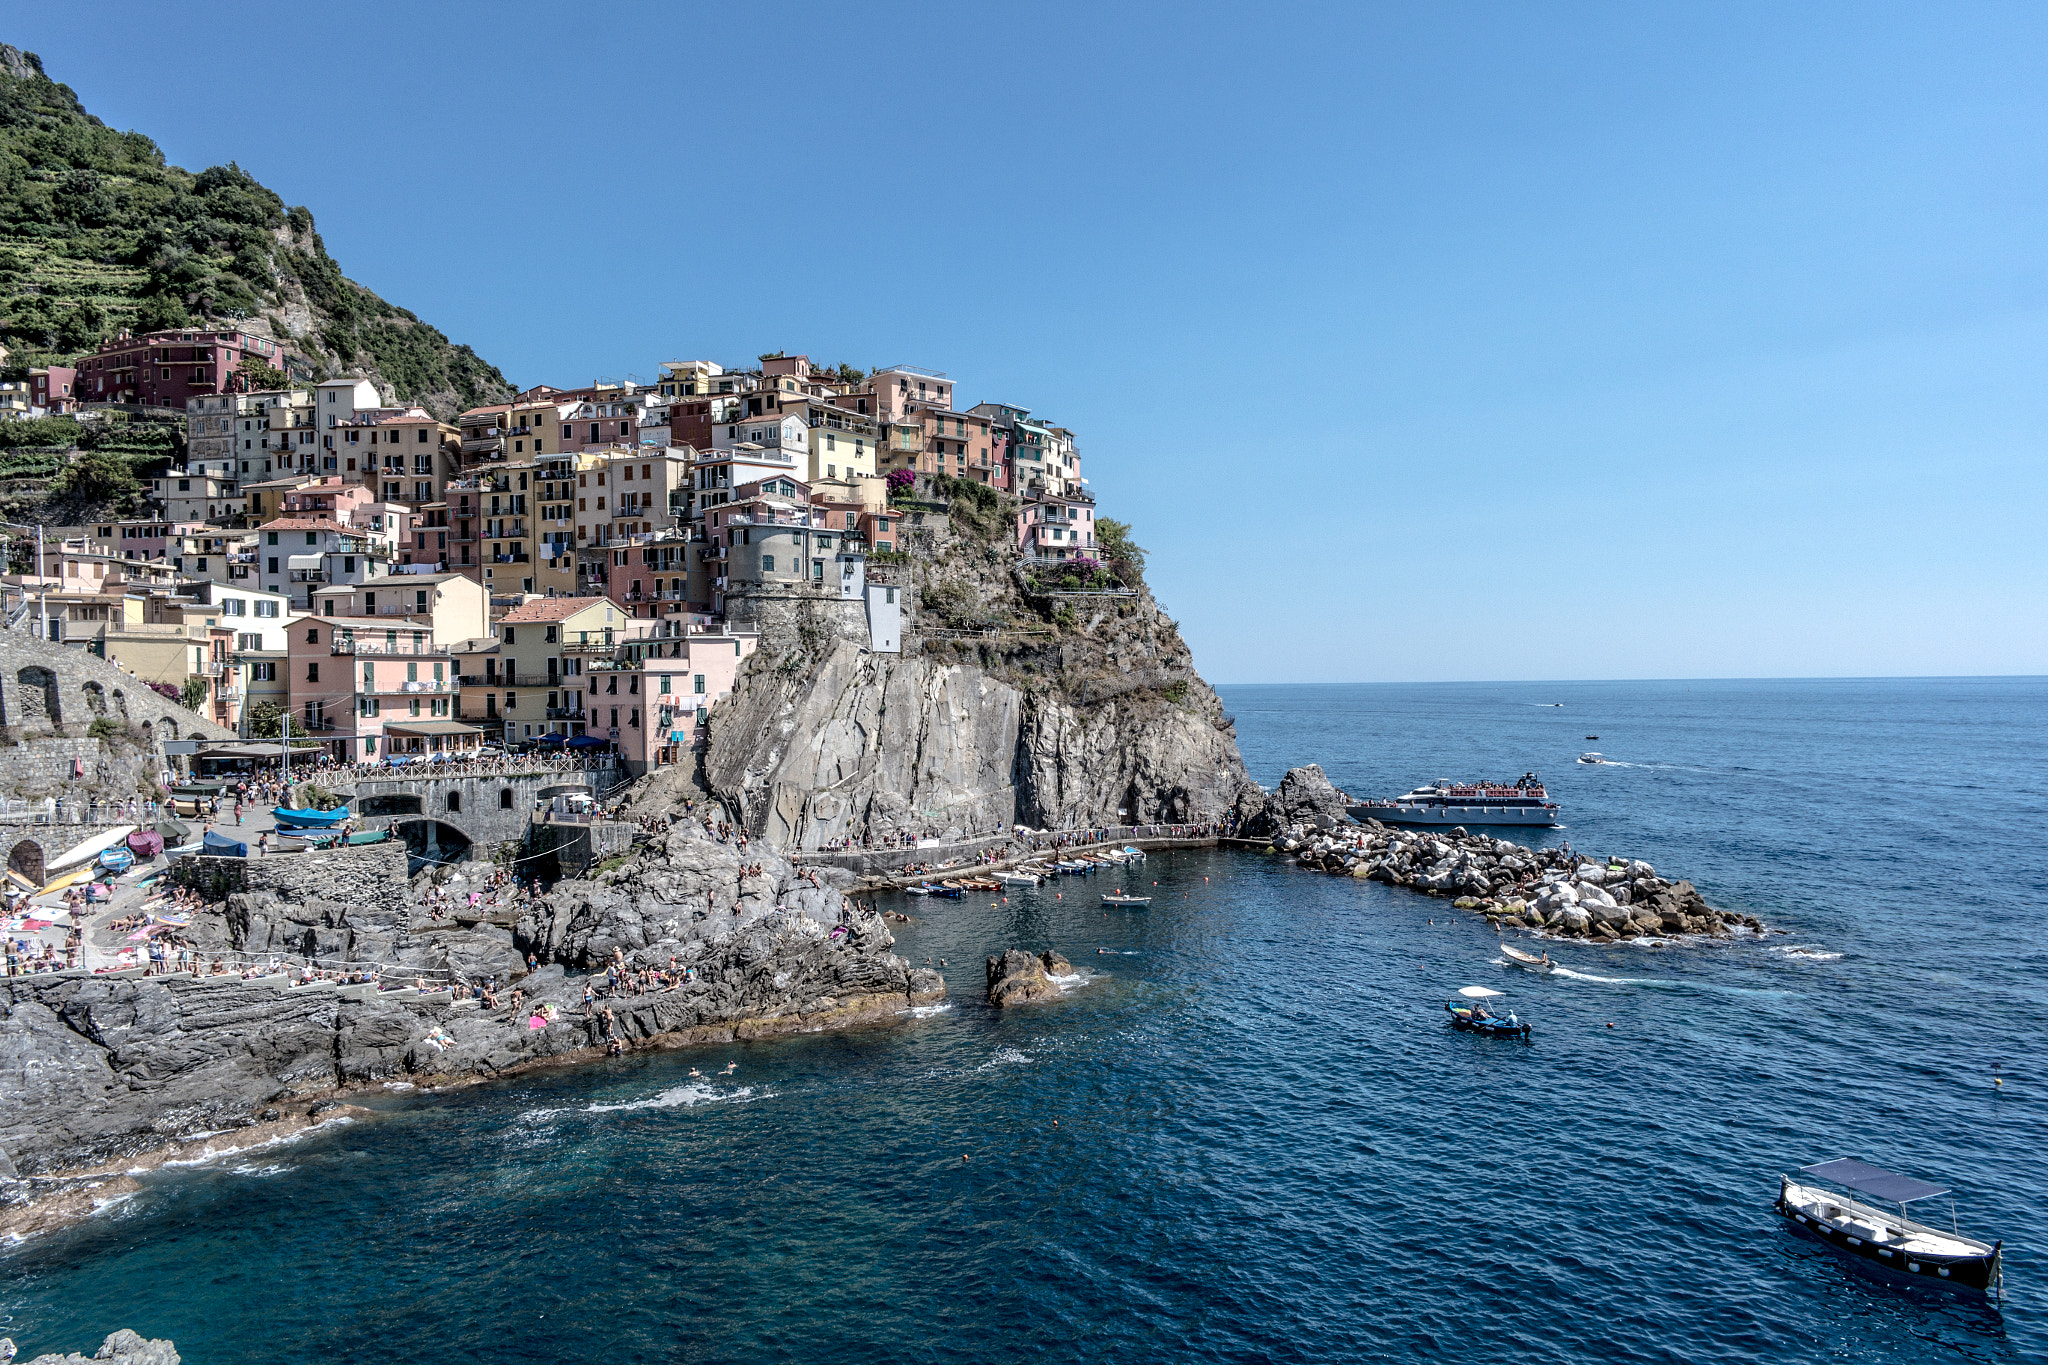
x: 98, y: 233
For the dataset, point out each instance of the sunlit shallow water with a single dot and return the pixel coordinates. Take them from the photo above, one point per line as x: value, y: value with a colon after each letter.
x: 1246, y: 1134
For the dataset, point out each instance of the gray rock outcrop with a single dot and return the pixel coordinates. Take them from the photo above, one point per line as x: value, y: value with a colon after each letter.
x: 1058, y: 713
x: 98, y: 1071
x: 122, y: 1348
x: 1017, y: 978
x: 1305, y: 797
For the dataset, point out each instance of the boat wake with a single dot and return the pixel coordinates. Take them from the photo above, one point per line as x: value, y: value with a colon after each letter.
x: 685, y: 1096
x: 1807, y: 953
x: 1612, y: 980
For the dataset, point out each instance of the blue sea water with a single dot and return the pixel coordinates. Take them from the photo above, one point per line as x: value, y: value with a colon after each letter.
x: 1247, y: 1134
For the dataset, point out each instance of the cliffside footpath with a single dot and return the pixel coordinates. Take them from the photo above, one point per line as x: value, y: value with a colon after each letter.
x: 1020, y: 697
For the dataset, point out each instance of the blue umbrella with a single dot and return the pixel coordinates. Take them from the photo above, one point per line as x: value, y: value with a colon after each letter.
x: 587, y: 742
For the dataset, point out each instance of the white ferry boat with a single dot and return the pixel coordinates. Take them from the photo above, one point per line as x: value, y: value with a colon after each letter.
x: 1445, y: 802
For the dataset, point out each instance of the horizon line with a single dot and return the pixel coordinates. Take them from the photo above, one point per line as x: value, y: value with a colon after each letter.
x: 1566, y: 682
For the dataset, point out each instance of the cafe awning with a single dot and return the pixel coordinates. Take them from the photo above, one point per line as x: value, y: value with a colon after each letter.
x: 431, y: 727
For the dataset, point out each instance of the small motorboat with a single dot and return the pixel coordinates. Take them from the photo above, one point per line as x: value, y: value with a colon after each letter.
x: 116, y: 860
x: 1592, y: 758
x: 1525, y: 959
x: 945, y: 889
x: 1018, y: 878
x: 309, y: 819
x: 1893, y: 1245
x: 1592, y: 736
x: 1474, y: 1009
x: 1119, y: 898
x: 917, y: 891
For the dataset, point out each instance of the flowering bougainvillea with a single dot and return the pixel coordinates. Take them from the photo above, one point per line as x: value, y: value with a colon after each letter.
x: 900, y: 479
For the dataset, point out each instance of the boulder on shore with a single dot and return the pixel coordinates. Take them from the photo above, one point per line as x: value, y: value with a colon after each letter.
x: 1018, y: 978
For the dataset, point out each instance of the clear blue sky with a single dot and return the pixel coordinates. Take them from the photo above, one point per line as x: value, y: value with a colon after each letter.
x: 1418, y: 342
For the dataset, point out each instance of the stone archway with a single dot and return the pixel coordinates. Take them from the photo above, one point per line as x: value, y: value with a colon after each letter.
x: 35, y: 697
x: 26, y: 858
x: 434, y: 841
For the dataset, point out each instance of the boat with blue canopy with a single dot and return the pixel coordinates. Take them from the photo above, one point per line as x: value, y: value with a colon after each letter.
x: 1891, y: 1244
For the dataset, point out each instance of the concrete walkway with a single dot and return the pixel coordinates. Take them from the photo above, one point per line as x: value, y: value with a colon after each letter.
x: 897, y: 881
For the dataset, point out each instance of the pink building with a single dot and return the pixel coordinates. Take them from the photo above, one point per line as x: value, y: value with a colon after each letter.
x: 1057, y: 528
x: 656, y: 709
x: 327, y: 497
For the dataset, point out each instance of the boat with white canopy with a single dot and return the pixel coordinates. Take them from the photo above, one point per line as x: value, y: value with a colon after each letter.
x: 1475, y: 1009
x: 1888, y: 1242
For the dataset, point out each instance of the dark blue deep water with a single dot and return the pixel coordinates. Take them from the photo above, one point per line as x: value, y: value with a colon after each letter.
x: 1249, y: 1137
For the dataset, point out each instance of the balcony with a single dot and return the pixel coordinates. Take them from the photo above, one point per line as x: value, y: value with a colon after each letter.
x: 566, y: 713
x: 510, y: 559
x: 588, y: 646
x: 309, y: 576
x: 405, y: 648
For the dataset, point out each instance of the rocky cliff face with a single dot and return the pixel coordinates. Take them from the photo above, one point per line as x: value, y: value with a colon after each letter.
x: 1011, y: 702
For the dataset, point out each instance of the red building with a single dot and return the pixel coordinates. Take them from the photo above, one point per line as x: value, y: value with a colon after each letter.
x: 164, y: 369
x: 51, y: 389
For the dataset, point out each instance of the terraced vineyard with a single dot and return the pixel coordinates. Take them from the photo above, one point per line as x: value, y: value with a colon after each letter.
x: 101, y: 233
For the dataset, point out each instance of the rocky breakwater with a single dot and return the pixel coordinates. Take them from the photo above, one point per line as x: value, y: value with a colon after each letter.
x: 1018, y: 978
x: 100, y: 1075
x: 1550, y: 890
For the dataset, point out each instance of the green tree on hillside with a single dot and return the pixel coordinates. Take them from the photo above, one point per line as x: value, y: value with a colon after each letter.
x: 259, y: 376
x: 99, y: 478
x: 1125, y: 555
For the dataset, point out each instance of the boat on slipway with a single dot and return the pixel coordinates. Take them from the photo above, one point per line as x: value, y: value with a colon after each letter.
x: 1891, y: 1244
x: 1445, y: 802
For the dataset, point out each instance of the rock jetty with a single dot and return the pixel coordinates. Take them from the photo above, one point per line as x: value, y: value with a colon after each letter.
x: 1018, y: 978
x: 1550, y: 890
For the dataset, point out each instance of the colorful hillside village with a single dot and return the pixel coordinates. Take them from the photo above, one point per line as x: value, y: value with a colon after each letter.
x: 552, y: 570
